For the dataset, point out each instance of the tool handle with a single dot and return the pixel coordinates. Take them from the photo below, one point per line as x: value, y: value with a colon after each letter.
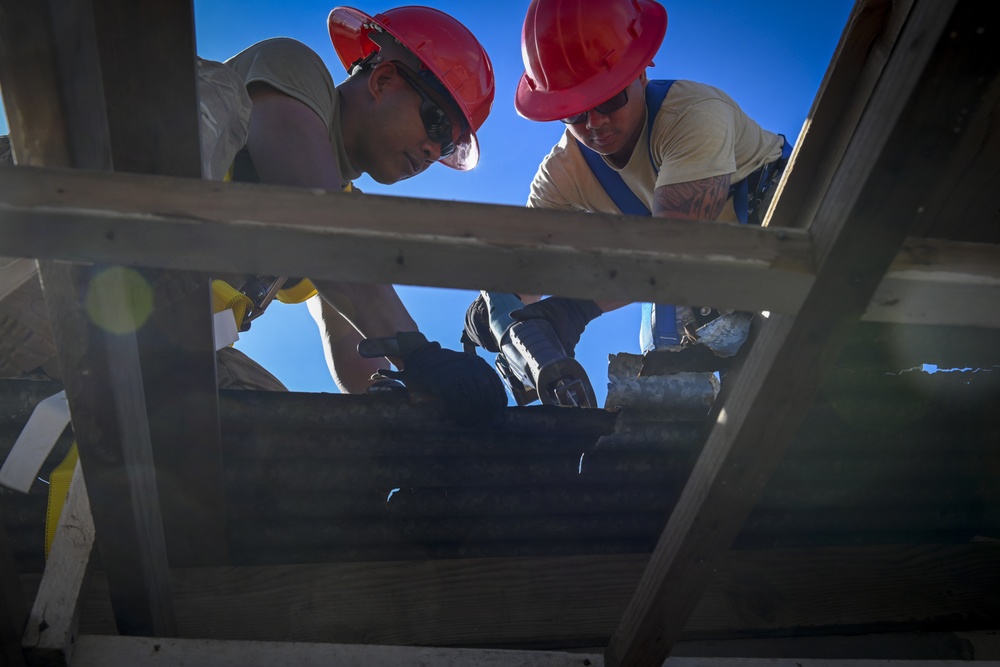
x: 373, y: 348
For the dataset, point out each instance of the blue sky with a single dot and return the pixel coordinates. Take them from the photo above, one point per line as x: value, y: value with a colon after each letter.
x: 769, y: 56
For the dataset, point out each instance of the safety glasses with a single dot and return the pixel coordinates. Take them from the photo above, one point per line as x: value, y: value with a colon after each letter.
x: 609, y: 106
x: 436, y: 121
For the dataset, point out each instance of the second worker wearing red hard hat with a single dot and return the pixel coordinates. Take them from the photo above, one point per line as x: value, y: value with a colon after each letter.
x: 675, y: 149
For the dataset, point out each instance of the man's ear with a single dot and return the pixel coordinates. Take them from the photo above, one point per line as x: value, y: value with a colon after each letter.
x: 379, y: 79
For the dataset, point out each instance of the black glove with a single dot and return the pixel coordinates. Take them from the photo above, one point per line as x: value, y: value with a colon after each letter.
x: 477, y: 327
x: 568, y: 317
x: 469, y: 390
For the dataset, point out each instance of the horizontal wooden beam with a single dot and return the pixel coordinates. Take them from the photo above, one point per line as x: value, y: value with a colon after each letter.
x: 235, y: 228
x: 110, y: 651
x: 576, y: 600
x: 940, y: 282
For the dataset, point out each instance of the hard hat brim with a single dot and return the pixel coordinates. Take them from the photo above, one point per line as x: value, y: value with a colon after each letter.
x: 547, y: 105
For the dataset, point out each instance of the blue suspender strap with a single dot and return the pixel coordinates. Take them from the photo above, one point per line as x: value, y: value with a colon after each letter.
x: 760, y: 181
x: 620, y: 193
x: 659, y: 322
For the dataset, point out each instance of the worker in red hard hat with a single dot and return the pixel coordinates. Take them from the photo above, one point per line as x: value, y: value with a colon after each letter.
x: 420, y: 86
x: 674, y: 149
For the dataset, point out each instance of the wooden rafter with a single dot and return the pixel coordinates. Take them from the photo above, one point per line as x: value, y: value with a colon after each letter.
x: 153, y: 121
x: 13, y: 609
x: 859, y: 227
x: 104, y: 387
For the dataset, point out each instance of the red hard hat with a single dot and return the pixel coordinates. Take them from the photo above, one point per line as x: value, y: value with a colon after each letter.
x: 443, y: 45
x: 579, y: 53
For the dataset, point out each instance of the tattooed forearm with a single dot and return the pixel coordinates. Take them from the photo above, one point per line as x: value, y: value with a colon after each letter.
x: 695, y: 200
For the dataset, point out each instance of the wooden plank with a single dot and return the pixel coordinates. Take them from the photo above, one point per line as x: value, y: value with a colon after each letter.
x: 237, y: 227
x: 153, y: 122
x: 112, y: 432
x: 940, y: 282
x: 929, y: 282
x: 147, y: 56
x: 50, y: 635
x: 14, y: 273
x: 457, y: 244
x: 106, y: 651
x: 13, y: 608
x: 857, y: 63
x: 576, y: 600
x: 103, y: 379
x: 861, y: 225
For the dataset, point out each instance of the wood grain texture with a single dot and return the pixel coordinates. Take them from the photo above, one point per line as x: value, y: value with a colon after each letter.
x: 13, y: 606
x: 569, y: 601
x: 50, y: 635
x: 862, y: 223
x: 62, y: 120
x: 189, y: 225
x: 153, y: 123
x: 235, y: 228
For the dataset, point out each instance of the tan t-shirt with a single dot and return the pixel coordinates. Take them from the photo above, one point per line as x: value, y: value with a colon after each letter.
x: 698, y: 133
x: 296, y: 70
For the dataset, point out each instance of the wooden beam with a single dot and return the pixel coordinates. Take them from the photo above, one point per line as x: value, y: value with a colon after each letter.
x: 153, y: 119
x: 940, y: 282
x: 855, y: 68
x: 153, y: 122
x: 50, y: 635
x: 575, y: 601
x: 234, y: 227
x: 859, y: 228
x: 186, y: 224
x: 102, y: 376
x: 13, y: 609
x: 106, y: 651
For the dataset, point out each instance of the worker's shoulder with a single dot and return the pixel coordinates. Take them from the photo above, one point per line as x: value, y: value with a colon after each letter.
x: 282, y: 48
x: 684, y: 91
x: 564, y: 153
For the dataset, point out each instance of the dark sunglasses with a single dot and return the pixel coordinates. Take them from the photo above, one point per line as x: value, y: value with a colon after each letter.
x: 436, y: 120
x: 609, y: 106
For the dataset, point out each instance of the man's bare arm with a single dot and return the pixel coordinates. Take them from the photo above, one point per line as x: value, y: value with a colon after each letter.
x: 289, y: 143
x: 349, y: 370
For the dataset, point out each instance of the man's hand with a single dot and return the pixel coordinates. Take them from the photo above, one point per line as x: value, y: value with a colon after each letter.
x: 477, y: 326
x: 568, y: 317
x: 468, y: 389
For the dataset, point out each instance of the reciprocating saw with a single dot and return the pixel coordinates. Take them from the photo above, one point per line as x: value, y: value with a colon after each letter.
x: 532, y: 362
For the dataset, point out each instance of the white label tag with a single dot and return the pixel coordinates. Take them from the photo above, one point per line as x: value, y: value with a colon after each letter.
x: 224, y: 323
x: 36, y: 441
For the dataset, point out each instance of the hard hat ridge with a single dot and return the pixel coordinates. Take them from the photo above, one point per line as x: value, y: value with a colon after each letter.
x: 579, y: 53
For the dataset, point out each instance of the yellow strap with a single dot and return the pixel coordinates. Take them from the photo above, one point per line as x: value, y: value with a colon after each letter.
x: 227, y: 297
x: 297, y: 293
x: 58, y: 490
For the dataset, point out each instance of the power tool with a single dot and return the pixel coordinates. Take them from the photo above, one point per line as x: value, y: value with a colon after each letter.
x: 532, y: 362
